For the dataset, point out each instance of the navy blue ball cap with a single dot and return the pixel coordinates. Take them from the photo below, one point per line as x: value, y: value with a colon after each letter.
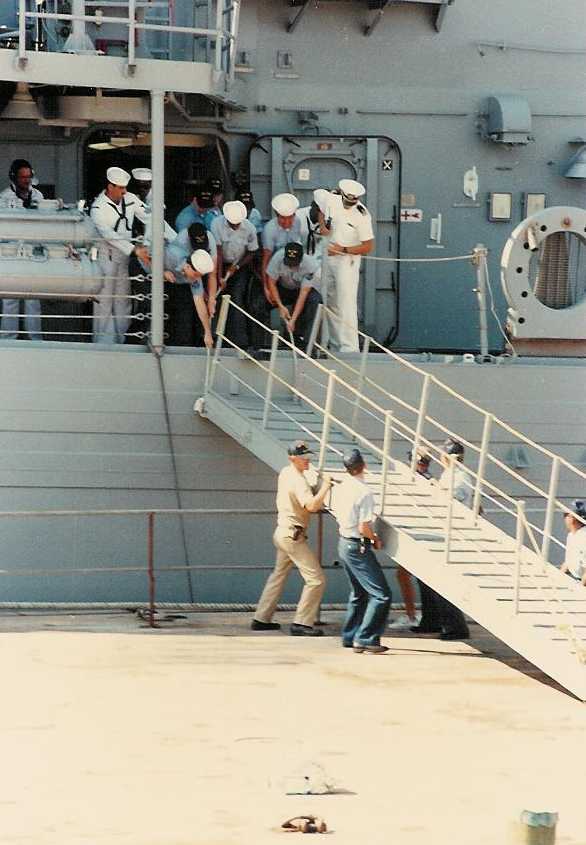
x: 293, y: 254
x: 298, y: 449
x: 353, y: 459
x: 579, y: 508
x: 453, y: 447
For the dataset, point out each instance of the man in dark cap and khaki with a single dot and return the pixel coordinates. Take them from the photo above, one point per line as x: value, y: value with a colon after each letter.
x: 296, y: 501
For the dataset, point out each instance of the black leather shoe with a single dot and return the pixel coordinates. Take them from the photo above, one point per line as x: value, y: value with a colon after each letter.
x: 455, y: 635
x: 264, y: 626
x: 424, y: 629
x: 305, y: 631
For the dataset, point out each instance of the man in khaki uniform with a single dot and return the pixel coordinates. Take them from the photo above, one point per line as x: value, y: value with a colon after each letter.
x: 295, y: 504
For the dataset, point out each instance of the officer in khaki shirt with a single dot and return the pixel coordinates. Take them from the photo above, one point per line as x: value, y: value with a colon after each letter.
x: 295, y: 504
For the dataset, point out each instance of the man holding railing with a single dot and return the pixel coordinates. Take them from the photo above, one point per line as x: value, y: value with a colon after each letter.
x: 574, y: 564
x: 293, y: 280
x: 296, y: 501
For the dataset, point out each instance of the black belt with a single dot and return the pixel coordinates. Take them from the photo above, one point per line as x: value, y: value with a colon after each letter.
x: 357, y: 539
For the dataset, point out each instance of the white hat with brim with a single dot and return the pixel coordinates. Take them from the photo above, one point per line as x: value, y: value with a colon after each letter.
x: 234, y: 212
x: 285, y: 204
x: 321, y: 198
x: 202, y: 261
x: 351, y: 188
x: 117, y: 176
x: 142, y: 174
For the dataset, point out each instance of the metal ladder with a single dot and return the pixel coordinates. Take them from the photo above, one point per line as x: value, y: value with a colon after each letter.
x: 500, y: 578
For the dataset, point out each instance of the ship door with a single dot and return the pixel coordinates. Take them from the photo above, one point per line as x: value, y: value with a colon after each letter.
x: 299, y: 164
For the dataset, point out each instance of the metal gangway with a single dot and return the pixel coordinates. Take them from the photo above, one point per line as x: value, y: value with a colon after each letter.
x: 492, y: 561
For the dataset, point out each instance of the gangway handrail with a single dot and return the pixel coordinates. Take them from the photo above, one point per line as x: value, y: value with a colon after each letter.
x: 523, y: 526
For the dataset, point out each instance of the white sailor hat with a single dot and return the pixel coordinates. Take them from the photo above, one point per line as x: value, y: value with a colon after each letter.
x: 117, y: 176
x: 202, y: 261
x: 234, y: 212
x: 321, y: 198
x: 351, y: 188
x: 142, y: 174
x: 285, y: 204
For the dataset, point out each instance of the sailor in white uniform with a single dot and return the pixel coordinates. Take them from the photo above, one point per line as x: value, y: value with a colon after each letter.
x: 349, y: 226
x: 143, y: 177
x: 312, y: 238
x: 20, y: 194
x: 113, y: 212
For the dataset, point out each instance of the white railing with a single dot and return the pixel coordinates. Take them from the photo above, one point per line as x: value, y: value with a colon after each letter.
x: 530, y: 569
x: 223, y: 35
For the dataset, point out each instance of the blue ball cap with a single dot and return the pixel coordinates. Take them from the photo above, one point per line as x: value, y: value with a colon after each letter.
x: 579, y: 508
x: 353, y: 459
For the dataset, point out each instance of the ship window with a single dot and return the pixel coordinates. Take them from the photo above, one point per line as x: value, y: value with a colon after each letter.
x: 557, y: 270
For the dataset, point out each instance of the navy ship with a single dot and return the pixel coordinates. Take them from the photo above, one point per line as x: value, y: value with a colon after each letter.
x: 462, y: 120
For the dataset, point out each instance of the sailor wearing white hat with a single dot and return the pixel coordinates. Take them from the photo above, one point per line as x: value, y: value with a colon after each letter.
x: 283, y: 229
x: 312, y: 239
x: 349, y: 226
x: 237, y: 245
x: 113, y: 212
x: 192, y: 270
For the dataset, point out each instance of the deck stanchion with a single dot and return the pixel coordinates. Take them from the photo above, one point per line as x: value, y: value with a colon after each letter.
x: 363, y: 363
x: 325, y: 433
x: 422, y: 413
x: 550, y: 511
x: 272, y: 365
x: 319, y: 315
x: 387, y: 439
x: 519, y: 554
x: 450, y: 510
x: 22, y: 59
x: 220, y: 329
x: 481, y: 465
x: 151, y: 568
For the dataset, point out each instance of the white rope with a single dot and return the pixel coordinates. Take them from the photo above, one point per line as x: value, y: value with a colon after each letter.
x: 418, y: 260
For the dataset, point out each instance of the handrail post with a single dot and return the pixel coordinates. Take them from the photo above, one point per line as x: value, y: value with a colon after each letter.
x: 219, y: 35
x: 319, y: 315
x: 325, y: 432
x: 22, y: 58
x: 272, y: 364
x: 151, y: 567
x: 488, y: 418
x: 387, y: 439
x: 220, y: 329
x: 450, y: 509
x: 518, y: 554
x: 420, y: 422
x: 550, y: 512
x: 363, y: 363
x: 479, y: 260
x: 131, y: 34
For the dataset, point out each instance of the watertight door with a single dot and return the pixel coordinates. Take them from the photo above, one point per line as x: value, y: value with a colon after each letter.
x: 299, y: 164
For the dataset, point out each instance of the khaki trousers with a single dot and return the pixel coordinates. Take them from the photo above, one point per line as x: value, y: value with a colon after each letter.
x: 291, y: 552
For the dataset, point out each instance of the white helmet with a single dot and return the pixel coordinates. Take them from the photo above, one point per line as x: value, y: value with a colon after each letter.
x: 117, y: 176
x: 234, y: 212
x: 201, y: 261
x: 285, y: 204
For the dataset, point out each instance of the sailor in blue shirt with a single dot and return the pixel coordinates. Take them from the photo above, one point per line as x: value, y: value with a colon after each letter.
x: 195, y: 211
x: 191, y: 270
x: 237, y: 246
x: 293, y: 280
x: 281, y: 230
x: 370, y: 595
x: 214, y: 211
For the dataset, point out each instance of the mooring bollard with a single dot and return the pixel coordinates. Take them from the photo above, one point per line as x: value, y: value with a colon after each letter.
x: 535, y: 828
